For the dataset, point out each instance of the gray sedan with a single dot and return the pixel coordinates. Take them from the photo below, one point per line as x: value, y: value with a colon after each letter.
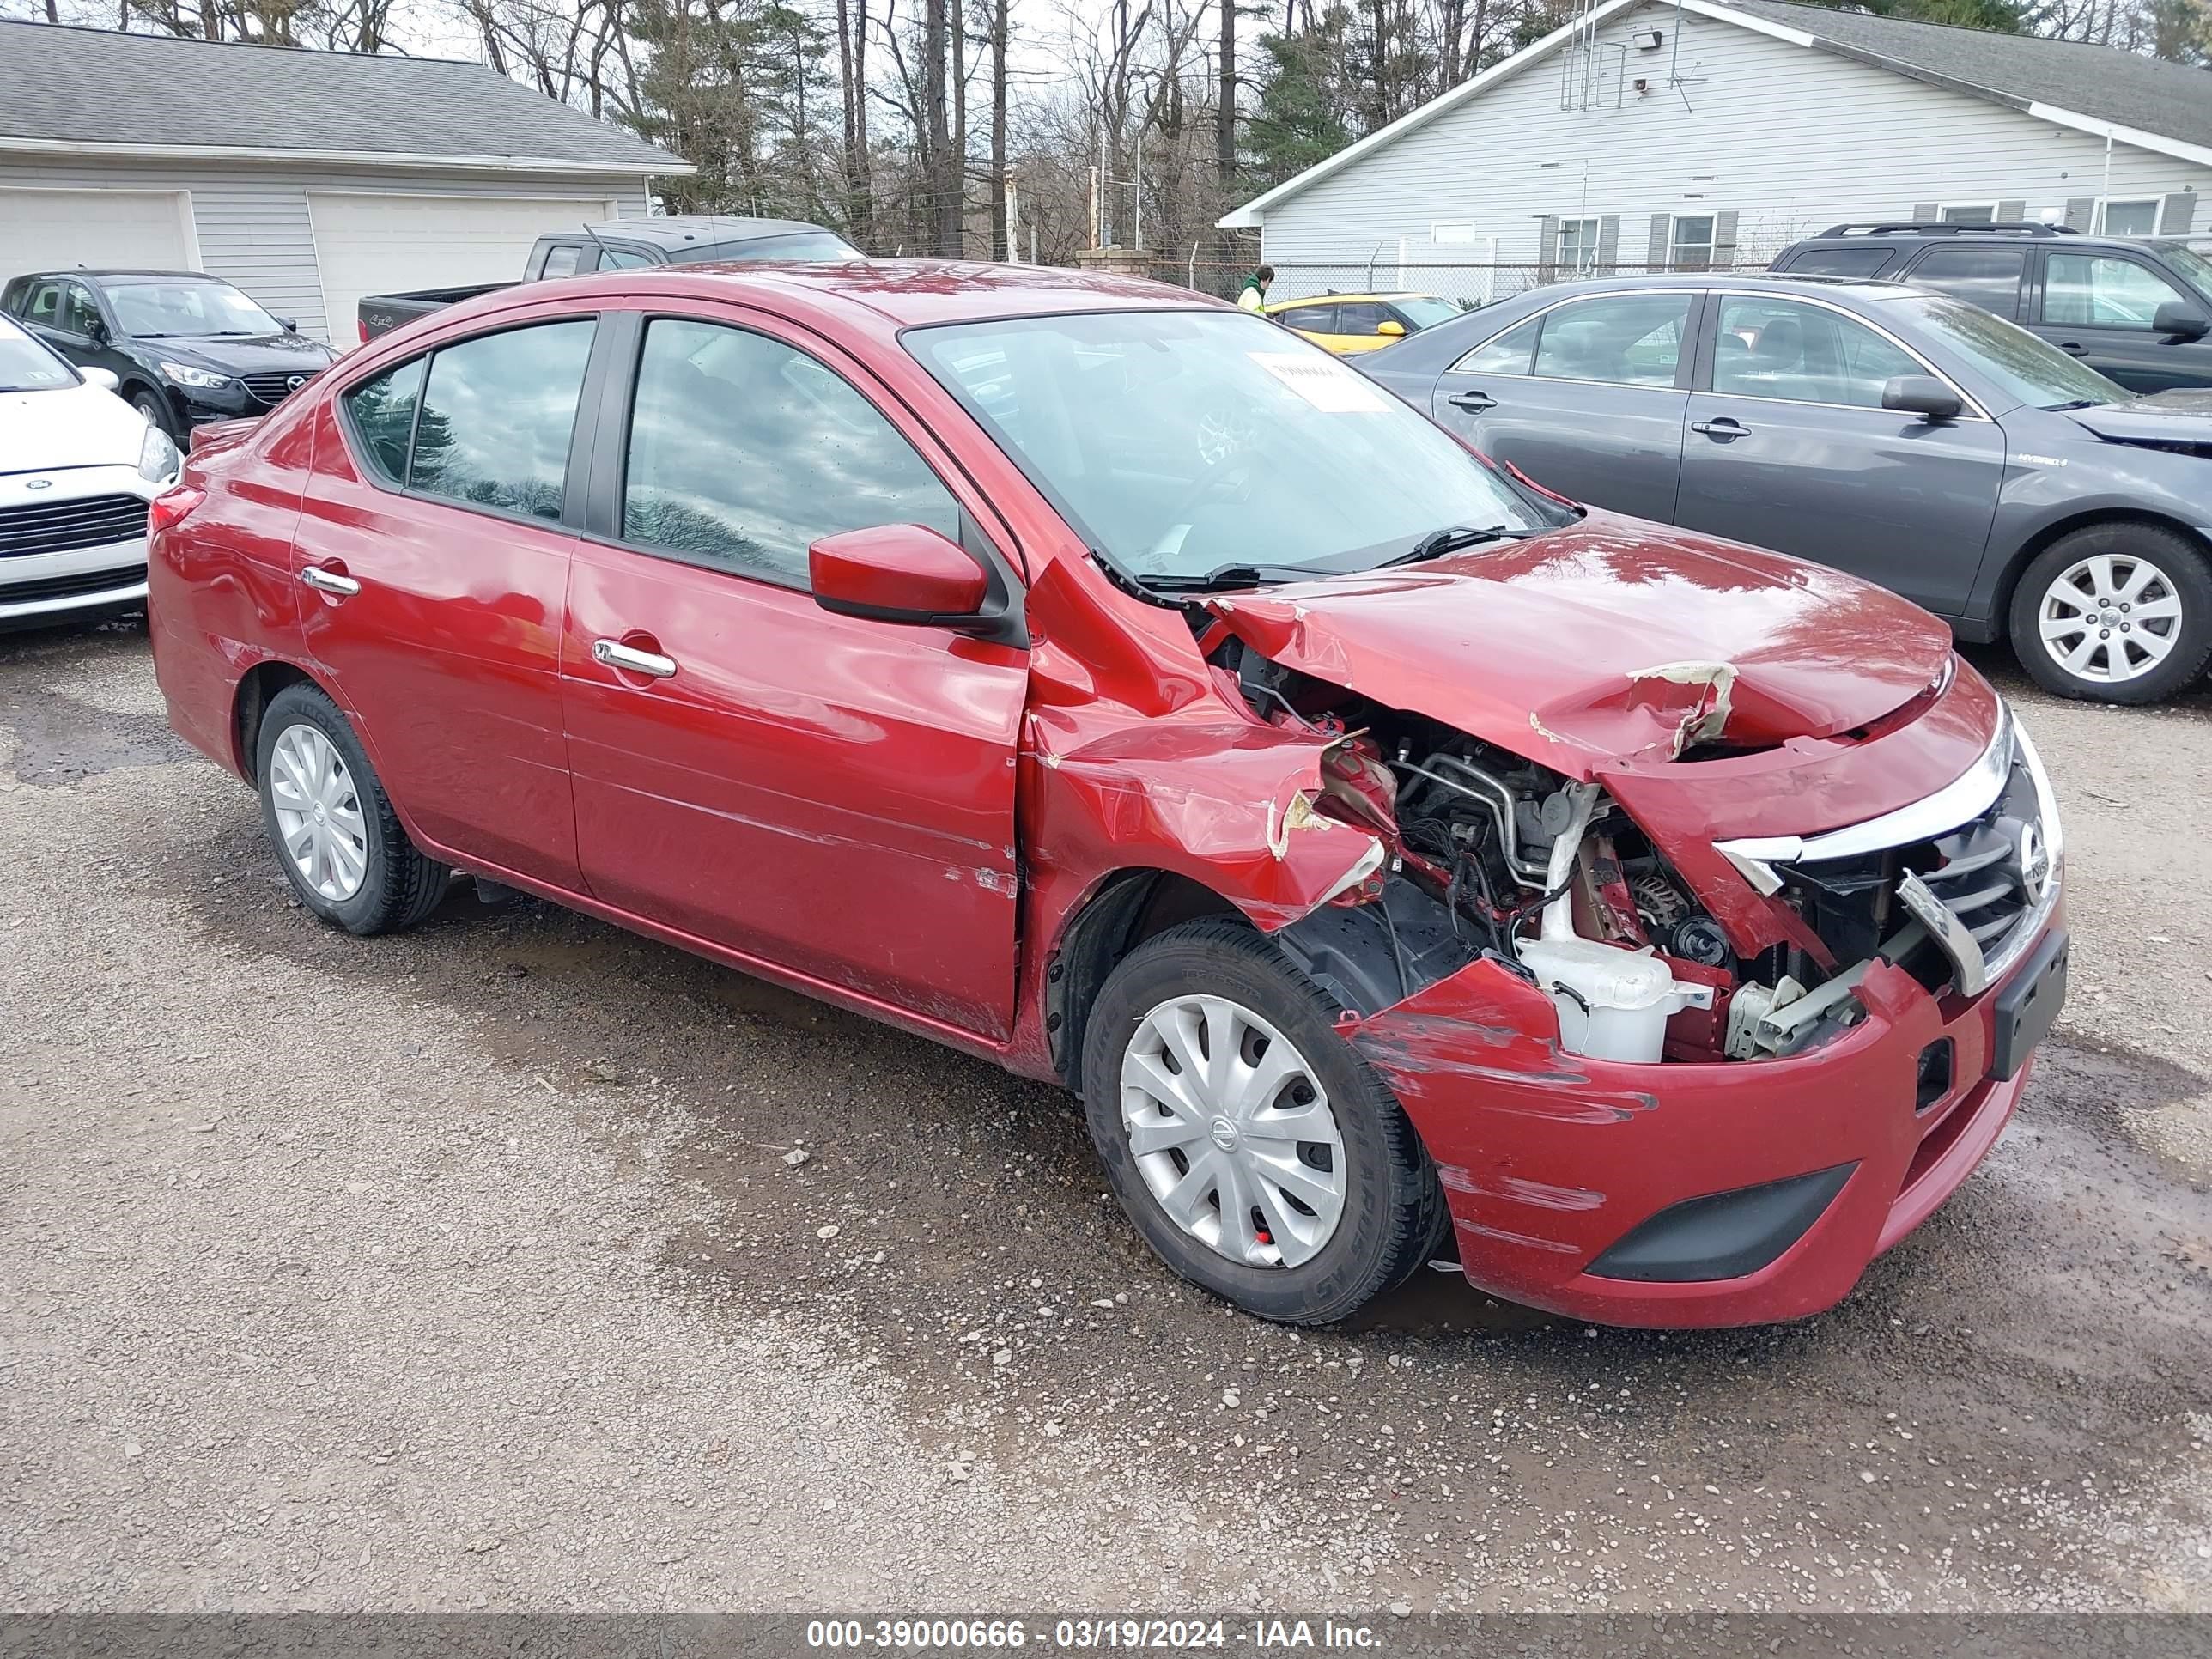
x: 1904, y: 435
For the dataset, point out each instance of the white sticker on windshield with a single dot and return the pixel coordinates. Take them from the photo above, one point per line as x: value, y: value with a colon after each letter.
x: 1326, y: 383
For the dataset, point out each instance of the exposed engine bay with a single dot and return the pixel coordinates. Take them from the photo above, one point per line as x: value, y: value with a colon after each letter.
x: 1490, y: 856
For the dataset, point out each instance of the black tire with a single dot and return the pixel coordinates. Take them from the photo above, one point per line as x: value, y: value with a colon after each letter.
x: 400, y: 887
x: 1394, y: 1209
x: 2180, y: 565
x: 155, y: 408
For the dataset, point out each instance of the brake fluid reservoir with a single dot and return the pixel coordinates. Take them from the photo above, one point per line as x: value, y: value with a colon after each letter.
x: 1613, y: 1002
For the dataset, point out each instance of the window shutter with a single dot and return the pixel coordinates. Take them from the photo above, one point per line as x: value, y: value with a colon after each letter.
x: 1926, y: 213
x: 1608, y: 242
x: 1723, y: 240
x: 2011, y: 213
x: 2175, y: 214
x: 1656, y: 250
x: 1548, y: 245
x: 2082, y: 212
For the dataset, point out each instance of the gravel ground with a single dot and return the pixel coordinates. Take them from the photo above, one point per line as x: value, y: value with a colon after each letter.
x: 481, y: 1268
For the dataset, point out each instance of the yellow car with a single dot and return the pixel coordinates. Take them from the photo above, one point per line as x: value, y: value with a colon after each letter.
x: 1350, y: 323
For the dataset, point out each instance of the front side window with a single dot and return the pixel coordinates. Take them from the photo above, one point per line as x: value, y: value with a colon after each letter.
x: 1626, y: 339
x: 1314, y: 320
x: 158, y: 310
x: 1578, y: 245
x: 563, y: 260
x: 621, y: 258
x: 1178, y: 442
x: 383, y: 414
x: 2089, y: 290
x: 744, y: 451
x: 1361, y: 316
x: 1987, y: 276
x: 1690, y: 242
x: 1800, y: 353
x: 498, y: 415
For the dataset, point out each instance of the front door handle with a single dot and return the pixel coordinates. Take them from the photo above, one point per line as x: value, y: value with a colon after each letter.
x: 330, y: 581
x: 614, y: 654
x: 1724, y: 429
x: 1474, y: 403
x: 2074, y: 346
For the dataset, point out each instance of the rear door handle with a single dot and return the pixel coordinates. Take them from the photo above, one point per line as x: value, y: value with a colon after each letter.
x: 1472, y: 402
x: 1723, y: 428
x: 330, y: 581
x: 614, y: 654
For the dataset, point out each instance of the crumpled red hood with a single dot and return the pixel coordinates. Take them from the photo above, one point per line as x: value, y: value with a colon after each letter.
x: 1605, y: 641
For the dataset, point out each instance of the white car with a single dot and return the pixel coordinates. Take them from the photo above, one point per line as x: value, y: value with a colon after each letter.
x: 77, y: 467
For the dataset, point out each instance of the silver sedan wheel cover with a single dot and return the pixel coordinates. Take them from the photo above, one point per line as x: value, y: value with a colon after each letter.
x: 2111, y: 617
x: 319, y: 816
x: 1225, y: 1117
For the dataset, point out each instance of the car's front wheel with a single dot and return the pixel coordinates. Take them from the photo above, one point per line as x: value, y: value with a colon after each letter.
x: 1260, y: 1157
x: 154, y: 409
x: 2117, y: 613
x: 331, y: 824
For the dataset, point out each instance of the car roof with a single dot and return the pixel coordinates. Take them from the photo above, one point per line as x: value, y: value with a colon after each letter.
x: 696, y: 230
x: 1782, y: 282
x: 105, y: 274
x: 1324, y: 299
x: 906, y: 293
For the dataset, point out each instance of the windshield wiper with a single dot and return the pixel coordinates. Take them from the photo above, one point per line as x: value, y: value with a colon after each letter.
x: 1450, y: 539
x: 1231, y: 575
x: 2079, y: 403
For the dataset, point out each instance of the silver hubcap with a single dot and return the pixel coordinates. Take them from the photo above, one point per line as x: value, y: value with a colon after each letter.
x: 1232, y: 1132
x: 2110, y: 617
x: 318, y: 812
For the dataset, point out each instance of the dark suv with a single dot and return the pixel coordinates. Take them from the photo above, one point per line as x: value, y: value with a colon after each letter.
x: 2138, y: 311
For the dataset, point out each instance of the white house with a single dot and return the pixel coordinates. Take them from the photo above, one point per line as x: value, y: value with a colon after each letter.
x: 308, y: 179
x: 1687, y: 133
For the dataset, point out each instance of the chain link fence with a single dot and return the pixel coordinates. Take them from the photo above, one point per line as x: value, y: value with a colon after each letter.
x: 1469, y: 285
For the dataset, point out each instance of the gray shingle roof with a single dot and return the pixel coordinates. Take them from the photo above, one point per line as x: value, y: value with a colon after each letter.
x: 2171, y: 100
x: 89, y: 86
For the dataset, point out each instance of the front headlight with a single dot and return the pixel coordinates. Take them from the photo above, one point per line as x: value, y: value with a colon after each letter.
x: 158, y: 460
x: 186, y: 374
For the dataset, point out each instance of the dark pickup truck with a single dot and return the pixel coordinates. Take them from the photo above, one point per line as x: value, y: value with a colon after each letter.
x: 624, y: 245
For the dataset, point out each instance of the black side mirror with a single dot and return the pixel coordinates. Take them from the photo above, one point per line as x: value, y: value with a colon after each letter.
x: 289, y: 324
x: 2177, y: 321
x: 1923, y: 395
x: 96, y: 331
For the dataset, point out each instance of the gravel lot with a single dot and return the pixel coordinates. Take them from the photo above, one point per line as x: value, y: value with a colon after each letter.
x: 475, y: 1269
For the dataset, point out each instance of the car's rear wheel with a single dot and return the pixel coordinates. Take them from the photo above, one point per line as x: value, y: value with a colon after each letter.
x: 331, y: 824
x: 1260, y: 1157
x: 2117, y: 612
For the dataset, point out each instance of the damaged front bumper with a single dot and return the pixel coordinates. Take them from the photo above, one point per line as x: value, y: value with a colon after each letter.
x: 1612, y: 1178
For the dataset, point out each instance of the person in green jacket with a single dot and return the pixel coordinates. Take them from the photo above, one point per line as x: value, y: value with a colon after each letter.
x: 1254, y: 293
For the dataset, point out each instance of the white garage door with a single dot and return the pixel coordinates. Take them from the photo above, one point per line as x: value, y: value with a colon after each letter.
x: 49, y: 230
x: 391, y: 244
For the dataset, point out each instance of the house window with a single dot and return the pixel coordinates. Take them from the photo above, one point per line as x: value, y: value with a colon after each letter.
x: 2137, y: 217
x: 1578, y: 245
x: 1690, y: 242
x: 1967, y: 213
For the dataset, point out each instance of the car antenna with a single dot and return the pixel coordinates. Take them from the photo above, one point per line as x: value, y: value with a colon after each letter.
x: 596, y: 242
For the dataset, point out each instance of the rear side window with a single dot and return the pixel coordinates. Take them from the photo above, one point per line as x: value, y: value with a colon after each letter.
x: 1628, y: 339
x: 744, y: 451
x: 383, y: 414
x: 1986, y: 277
x: 1837, y: 262
x: 1507, y: 354
x: 496, y: 417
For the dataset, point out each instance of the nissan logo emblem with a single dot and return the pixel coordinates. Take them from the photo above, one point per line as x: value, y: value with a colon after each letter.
x: 2034, y: 864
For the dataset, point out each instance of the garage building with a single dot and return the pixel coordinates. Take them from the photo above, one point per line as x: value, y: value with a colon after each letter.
x: 308, y: 179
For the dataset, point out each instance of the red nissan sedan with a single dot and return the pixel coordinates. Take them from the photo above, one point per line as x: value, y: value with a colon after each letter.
x: 1398, y: 860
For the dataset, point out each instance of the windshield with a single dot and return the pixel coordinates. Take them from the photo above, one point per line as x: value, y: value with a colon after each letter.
x: 2031, y: 370
x: 1181, y: 442
x: 2191, y: 264
x: 1427, y: 313
x: 27, y: 366
x: 154, y: 310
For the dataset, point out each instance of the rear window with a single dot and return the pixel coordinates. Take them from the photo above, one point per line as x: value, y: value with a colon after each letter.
x: 1837, y: 262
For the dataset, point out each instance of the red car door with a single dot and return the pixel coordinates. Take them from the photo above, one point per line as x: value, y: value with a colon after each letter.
x: 434, y: 558
x: 830, y: 795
